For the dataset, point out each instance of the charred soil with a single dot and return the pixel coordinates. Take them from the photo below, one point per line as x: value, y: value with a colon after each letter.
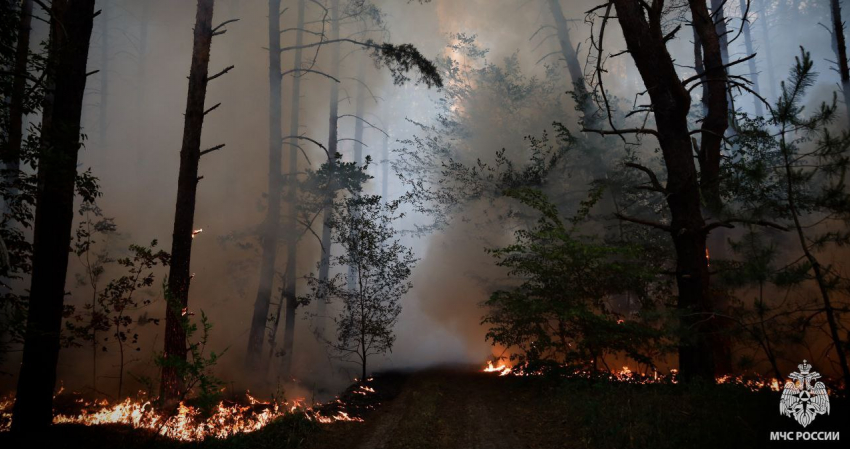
x: 462, y: 408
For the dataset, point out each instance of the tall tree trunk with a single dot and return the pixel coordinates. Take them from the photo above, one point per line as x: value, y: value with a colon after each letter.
x: 140, y: 126
x: 291, y: 222
x: 333, y: 139
x: 841, y: 52
x: 766, y: 45
x: 65, y: 81
x: 671, y: 102
x: 184, y: 213
x: 103, y: 110
x: 573, y: 65
x: 271, y: 226
x: 719, y: 16
x: 358, y: 145
x: 12, y: 154
x: 699, y: 66
x: 751, y: 64
x: 385, y: 168
x: 715, y: 125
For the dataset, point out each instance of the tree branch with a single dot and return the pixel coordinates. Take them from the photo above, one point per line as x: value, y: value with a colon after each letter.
x: 217, y: 147
x: 728, y: 224
x: 210, y: 78
x: 308, y: 71
x: 656, y: 185
x: 653, y: 224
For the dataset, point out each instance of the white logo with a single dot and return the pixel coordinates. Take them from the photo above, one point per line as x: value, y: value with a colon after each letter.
x: 802, y: 400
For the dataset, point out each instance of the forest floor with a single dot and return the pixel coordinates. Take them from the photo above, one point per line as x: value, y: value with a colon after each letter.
x: 462, y: 408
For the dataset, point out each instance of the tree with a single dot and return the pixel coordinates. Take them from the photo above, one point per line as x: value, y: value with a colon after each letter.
x: 103, y: 106
x: 570, y: 55
x: 399, y: 60
x: 362, y: 227
x: 94, y: 263
x: 118, y: 302
x: 804, y: 184
x: 751, y: 64
x: 841, y: 51
x: 17, y: 103
x: 291, y: 222
x: 561, y: 310
x: 271, y: 225
x: 179, y: 276
x: 333, y: 141
x: 65, y: 77
x: 646, y: 38
x: 23, y: 88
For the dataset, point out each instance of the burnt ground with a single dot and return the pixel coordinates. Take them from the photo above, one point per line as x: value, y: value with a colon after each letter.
x: 462, y: 408
x: 465, y: 409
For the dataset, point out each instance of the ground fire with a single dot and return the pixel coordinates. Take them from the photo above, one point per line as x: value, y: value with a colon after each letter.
x: 753, y: 382
x: 189, y: 423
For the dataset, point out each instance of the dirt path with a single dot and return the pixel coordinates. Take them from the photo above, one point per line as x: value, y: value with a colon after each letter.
x: 446, y: 408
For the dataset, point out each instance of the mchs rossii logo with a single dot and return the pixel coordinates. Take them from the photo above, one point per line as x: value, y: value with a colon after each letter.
x: 804, y: 399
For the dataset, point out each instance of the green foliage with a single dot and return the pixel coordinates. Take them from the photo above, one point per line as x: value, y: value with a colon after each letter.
x: 196, y: 370
x: 443, y: 167
x: 560, y: 310
x: 321, y: 187
x: 790, y: 169
x: 381, y: 266
x: 401, y: 59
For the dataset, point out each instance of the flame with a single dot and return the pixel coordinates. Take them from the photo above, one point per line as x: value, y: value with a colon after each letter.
x: 502, y: 369
x: 188, y: 424
x: 197, y: 231
x: 752, y: 382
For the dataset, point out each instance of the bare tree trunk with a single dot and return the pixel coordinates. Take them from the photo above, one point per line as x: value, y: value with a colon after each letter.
x: 671, y: 102
x: 766, y: 45
x: 715, y: 124
x: 65, y: 82
x: 179, y: 274
x: 385, y: 168
x: 271, y: 226
x: 273, y: 333
x: 103, y: 110
x: 291, y: 223
x: 719, y: 17
x: 358, y: 145
x: 573, y: 65
x: 140, y: 130
x: 841, y: 52
x: 333, y: 139
x: 699, y: 66
x: 751, y: 64
x: 12, y: 154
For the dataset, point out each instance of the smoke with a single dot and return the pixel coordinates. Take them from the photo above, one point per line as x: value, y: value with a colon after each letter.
x: 137, y: 162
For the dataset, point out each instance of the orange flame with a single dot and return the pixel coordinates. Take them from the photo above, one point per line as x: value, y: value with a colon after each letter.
x: 502, y: 369
x: 188, y: 424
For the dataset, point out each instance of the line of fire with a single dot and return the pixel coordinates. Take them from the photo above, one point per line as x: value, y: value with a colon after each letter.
x: 386, y: 224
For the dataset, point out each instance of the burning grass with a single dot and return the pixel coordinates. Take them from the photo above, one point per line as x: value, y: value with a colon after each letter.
x: 192, y: 423
x: 753, y: 382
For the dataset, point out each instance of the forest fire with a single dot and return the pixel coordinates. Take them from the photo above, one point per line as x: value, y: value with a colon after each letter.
x: 190, y: 423
x: 502, y: 369
x: 752, y: 382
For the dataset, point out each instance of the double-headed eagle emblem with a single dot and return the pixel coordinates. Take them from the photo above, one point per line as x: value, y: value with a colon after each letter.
x: 802, y: 400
